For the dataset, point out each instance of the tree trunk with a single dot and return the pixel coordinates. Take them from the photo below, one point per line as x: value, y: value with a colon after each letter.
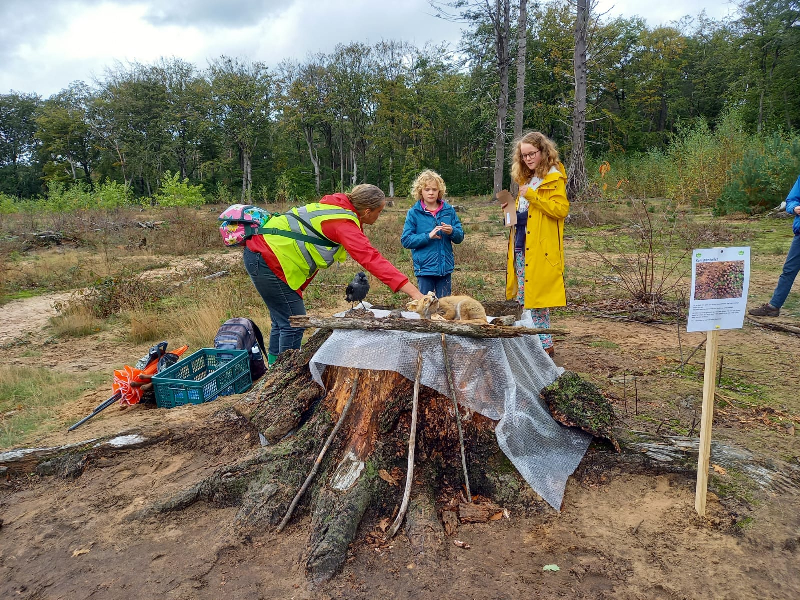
x: 502, y: 27
x: 519, y: 102
x: 391, y: 177
x: 341, y: 164
x: 365, y: 464
x: 247, y: 177
x: 312, y: 153
x: 576, y: 179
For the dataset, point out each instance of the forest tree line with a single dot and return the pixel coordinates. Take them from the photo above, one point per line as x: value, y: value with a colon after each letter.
x: 381, y: 113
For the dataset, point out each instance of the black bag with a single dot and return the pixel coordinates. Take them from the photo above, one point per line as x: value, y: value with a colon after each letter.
x: 242, y: 334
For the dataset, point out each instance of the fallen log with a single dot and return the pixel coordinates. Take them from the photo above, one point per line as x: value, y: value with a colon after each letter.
x: 419, y: 326
x: 775, y: 326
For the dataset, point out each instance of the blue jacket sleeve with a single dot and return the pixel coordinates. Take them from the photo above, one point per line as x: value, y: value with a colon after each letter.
x: 793, y: 199
x: 410, y: 238
x: 458, y: 231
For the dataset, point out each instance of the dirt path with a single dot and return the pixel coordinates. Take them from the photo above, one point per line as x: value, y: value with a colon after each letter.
x: 27, y: 316
x: 619, y: 536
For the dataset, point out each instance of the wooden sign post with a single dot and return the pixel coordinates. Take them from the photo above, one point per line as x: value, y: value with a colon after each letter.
x: 706, y: 419
x: 720, y: 280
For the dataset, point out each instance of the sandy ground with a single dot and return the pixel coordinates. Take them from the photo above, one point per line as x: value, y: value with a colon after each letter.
x: 621, y: 534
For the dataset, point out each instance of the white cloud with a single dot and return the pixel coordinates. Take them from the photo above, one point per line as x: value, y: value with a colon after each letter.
x: 47, y: 44
x: 662, y: 13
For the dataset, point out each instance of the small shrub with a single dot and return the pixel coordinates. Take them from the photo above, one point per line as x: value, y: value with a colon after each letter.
x: 112, y: 295
x: 7, y: 204
x: 763, y: 176
x: 174, y: 192
x: 655, y: 264
x: 78, y: 321
x: 112, y: 195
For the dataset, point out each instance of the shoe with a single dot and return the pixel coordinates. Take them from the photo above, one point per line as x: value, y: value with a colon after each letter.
x: 765, y: 310
x: 551, y: 351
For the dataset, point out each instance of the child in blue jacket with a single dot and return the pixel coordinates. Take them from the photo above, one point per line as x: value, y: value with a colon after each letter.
x: 431, y: 229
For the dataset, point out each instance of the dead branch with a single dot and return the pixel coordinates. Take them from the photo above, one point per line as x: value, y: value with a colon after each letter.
x: 322, y: 453
x: 419, y: 326
x: 412, y: 442
x: 775, y: 326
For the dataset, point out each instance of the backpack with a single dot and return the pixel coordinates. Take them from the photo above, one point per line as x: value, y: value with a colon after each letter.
x: 242, y: 334
x: 240, y: 221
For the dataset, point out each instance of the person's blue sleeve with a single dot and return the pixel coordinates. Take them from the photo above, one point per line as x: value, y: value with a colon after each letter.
x: 458, y: 231
x: 793, y: 199
x: 410, y: 238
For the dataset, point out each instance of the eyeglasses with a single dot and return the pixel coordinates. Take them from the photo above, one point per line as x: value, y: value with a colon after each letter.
x: 530, y: 155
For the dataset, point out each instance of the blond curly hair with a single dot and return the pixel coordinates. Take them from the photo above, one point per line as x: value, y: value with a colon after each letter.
x: 519, y: 170
x: 427, y: 178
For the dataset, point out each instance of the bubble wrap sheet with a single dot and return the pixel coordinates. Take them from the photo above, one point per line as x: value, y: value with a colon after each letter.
x: 499, y: 378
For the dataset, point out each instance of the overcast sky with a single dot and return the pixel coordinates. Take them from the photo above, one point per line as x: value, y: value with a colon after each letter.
x: 46, y: 44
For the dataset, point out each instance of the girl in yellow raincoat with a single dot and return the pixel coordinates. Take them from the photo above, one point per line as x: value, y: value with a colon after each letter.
x: 535, y: 269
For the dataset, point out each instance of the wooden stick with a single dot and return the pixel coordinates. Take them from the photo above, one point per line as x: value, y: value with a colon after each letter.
x: 706, y: 419
x: 317, y: 462
x: 691, y: 354
x: 419, y: 326
x: 458, y: 416
x: 412, y: 444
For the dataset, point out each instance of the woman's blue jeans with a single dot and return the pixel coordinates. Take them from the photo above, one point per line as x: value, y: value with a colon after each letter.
x: 790, y: 269
x: 281, y: 300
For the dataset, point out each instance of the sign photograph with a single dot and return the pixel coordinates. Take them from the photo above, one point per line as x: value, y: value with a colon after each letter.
x: 720, y: 280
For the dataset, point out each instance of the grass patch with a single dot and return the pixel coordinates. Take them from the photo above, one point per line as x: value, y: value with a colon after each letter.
x: 77, y: 321
x: 28, y: 397
x: 603, y: 344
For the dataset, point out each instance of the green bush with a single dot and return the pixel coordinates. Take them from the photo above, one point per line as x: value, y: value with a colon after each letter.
x: 112, y: 195
x: 62, y: 198
x: 7, y: 204
x: 763, y: 176
x: 174, y: 192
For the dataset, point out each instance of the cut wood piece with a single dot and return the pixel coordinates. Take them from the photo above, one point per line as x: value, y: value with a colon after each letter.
x: 478, y: 513
x: 419, y: 326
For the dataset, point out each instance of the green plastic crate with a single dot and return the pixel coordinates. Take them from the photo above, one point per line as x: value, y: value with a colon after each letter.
x: 202, y: 377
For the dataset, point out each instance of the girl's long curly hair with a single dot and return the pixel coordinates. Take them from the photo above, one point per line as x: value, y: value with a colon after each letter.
x: 519, y: 170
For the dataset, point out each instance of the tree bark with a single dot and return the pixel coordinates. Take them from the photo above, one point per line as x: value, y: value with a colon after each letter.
x: 419, y: 325
x: 576, y: 179
x: 501, y: 20
x: 519, y: 103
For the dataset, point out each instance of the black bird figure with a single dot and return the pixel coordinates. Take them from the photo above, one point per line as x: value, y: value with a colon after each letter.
x: 357, y: 289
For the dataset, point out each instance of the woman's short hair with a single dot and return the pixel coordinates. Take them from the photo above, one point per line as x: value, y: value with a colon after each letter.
x: 519, y: 170
x: 366, y: 196
x: 428, y: 178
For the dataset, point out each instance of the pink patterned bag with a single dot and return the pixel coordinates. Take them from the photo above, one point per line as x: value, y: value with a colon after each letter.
x: 240, y: 221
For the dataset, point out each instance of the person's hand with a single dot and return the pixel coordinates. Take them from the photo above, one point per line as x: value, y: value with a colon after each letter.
x: 503, y: 206
x: 797, y: 210
x: 434, y: 234
x: 447, y: 228
x: 523, y: 189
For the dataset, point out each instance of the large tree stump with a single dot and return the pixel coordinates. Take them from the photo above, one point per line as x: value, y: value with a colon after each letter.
x: 294, y: 416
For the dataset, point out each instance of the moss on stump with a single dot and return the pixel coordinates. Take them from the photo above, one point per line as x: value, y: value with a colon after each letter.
x: 575, y: 402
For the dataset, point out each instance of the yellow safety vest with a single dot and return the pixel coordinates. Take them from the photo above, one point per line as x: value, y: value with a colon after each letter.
x: 296, y: 239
